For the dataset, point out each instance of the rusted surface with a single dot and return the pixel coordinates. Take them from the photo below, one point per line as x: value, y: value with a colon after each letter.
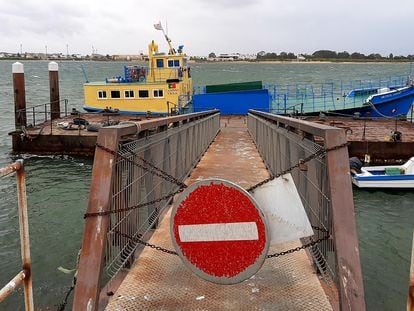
x: 24, y: 236
x: 410, y: 300
x: 160, y: 281
x: 11, y: 168
x: 373, y: 137
x: 14, y: 283
x: 94, y: 236
x: 348, y: 265
x: 24, y: 276
x: 233, y: 156
x: 54, y: 94
x: 108, y: 182
x: 19, y: 99
x: 51, y: 138
x: 337, y: 213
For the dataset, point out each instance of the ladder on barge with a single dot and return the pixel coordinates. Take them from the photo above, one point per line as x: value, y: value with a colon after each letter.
x: 139, y: 167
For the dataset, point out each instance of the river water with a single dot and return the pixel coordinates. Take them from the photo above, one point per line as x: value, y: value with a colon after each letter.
x: 58, y: 186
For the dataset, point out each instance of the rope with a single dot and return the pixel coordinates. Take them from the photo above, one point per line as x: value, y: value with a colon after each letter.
x: 62, y: 305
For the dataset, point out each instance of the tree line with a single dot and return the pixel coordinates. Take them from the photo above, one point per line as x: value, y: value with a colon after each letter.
x: 330, y: 55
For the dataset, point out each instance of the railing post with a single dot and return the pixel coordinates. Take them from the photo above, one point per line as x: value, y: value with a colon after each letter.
x: 19, y: 95
x: 350, y: 283
x: 87, y: 288
x: 24, y: 236
x: 54, y: 90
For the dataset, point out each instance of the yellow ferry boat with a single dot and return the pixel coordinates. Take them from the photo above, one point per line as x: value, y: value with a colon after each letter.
x: 164, y: 87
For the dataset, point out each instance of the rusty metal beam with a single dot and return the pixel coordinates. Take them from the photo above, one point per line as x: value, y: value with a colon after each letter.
x: 410, y: 300
x: 24, y: 276
x: 87, y: 288
x: 301, y: 125
x: 12, y: 285
x: 24, y: 236
x: 184, y: 118
x: 96, y: 228
x: 350, y: 282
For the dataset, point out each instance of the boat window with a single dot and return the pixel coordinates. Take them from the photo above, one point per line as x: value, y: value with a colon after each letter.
x: 143, y: 93
x: 158, y: 93
x: 101, y: 94
x: 115, y: 94
x: 129, y: 94
x: 173, y: 63
x: 160, y: 63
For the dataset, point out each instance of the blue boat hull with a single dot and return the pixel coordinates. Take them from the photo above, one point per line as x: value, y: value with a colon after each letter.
x: 390, y: 104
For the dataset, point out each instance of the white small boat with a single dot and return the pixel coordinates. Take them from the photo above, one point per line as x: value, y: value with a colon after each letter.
x: 391, y: 177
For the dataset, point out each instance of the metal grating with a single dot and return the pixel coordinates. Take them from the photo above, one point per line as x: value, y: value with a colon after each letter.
x: 160, y: 281
x: 175, y: 151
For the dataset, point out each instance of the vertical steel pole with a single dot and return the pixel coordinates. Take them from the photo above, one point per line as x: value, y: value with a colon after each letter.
x: 19, y: 95
x: 24, y: 236
x: 54, y: 90
x: 348, y: 265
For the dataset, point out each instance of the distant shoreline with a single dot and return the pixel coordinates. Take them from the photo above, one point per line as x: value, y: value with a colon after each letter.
x: 303, y: 62
x: 352, y: 62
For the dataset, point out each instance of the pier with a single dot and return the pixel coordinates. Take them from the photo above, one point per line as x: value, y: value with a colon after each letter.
x: 135, y: 180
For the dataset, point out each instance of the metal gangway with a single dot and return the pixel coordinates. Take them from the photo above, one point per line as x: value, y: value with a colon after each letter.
x: 127, y: 259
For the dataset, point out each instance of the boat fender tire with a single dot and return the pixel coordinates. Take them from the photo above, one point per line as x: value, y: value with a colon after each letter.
x: 94, y: 127
x: 355, y: 164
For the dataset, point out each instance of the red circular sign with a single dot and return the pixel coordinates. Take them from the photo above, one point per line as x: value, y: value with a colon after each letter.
x: 219, y: 231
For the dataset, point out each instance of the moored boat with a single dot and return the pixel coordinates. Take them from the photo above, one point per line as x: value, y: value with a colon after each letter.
x: 389, y: 177
x: 386, y: 98
x: 164, y: 87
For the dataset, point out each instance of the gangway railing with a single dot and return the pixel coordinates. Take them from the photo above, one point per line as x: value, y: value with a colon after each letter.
x: 41, y: 113
x: 25, y: 275
x: 317, y: 157
x: 138, y: 168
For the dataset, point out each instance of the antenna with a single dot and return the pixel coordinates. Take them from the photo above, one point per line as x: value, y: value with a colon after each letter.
x: 159, y: 27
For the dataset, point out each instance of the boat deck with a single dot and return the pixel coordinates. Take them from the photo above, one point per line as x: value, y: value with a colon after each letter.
x: 160, y: 281
x: 373, y: 137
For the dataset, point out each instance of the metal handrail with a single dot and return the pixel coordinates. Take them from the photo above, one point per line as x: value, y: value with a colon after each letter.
x: 24, y: 276
x: 44, y: 111
x: 327, y: 186
x: 104, y: 179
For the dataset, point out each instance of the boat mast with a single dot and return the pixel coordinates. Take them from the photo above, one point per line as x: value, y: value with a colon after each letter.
x: 172, y: 50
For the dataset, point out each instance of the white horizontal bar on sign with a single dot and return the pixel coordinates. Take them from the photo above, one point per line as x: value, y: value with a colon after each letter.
x: 236, y: 231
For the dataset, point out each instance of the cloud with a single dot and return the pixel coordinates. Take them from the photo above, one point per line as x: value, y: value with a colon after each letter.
x: 204, y: 26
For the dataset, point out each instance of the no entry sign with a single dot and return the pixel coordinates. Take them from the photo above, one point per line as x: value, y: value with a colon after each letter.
x: 219, y: 231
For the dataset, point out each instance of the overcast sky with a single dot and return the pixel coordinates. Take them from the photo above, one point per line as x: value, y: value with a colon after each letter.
x: 204, y: 26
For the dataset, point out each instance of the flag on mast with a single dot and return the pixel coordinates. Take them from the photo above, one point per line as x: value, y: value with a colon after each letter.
x: 158, y: 26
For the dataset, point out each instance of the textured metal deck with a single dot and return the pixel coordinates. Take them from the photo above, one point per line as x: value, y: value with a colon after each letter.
x: 160, y: 281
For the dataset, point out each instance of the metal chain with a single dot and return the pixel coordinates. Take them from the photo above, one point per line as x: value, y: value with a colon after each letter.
x: 152, y: 168
x: 126, y: 209
x: 299, y: 248
x: 165, y: 250
x: 158, y: 172
x: 320, y: 152
x: 140, y: 241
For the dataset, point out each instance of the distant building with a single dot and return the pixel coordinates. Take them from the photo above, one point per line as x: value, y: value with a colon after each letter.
x: 131, y: 57
x: 300, y: 57
x: 233, y: 57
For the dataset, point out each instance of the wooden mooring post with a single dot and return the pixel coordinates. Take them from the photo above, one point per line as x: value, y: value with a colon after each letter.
x: 20, y: 118
x: 54, y: 90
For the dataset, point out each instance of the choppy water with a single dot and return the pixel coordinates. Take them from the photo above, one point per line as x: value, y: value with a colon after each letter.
x: 58, y: 186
